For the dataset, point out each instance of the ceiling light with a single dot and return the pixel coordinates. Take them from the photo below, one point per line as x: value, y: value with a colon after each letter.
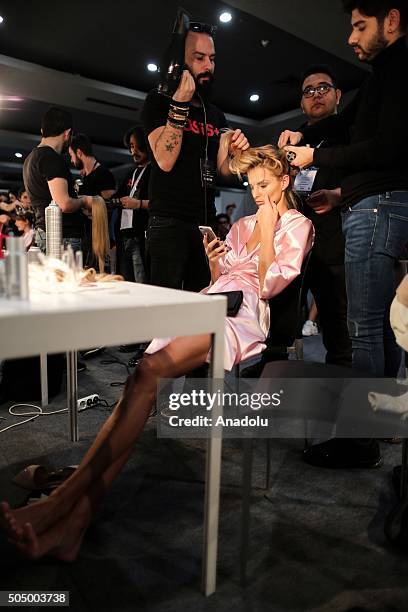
x: 152, y: 67
x: 1, y: 19
x: 225, y: 17
x: 18, y: 155
x: 254, y: 97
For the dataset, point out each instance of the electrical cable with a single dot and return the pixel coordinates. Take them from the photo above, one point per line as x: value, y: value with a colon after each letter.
x: 34, y: 415
x: 205, y: 157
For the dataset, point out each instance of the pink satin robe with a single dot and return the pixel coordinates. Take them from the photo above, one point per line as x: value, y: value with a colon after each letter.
x: 245, y: 334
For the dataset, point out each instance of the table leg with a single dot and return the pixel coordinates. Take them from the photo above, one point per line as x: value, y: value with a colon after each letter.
x: 72, y: 393
x: 213, y: 473
x: 44, y: 380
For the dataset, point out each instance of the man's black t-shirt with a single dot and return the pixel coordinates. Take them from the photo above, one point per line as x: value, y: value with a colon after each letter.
x: 141, y: 215
x: 179, y: 193
x: 42, y: 165
x: 100, y: 179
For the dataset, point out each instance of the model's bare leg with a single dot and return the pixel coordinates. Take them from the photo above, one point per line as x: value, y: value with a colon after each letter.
x: 63, y: 540
x: 117, y: 435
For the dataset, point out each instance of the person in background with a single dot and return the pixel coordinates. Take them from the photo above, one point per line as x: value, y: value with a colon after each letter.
x: 133, y: 217
x: 47, y: 177
x: 222, y: 225
x: 96, y: 180
x: 25, y: 225
x: 132, y: 220
x: 24, y: 202
x: 230, y: 211
x: 319, y: 189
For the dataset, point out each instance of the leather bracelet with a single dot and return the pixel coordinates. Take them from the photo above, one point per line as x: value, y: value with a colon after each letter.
x: 183, y: 105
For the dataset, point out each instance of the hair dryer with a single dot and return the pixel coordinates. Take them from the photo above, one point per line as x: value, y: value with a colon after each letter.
x: 172, y: 65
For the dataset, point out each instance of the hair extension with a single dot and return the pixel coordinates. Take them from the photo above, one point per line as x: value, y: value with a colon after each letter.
x: 269, y: 157
x: 100, y: 233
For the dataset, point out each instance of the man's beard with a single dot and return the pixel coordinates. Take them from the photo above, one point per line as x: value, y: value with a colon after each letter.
x: 374, y: 46
x: 204, y: 89
x: 79, y: 164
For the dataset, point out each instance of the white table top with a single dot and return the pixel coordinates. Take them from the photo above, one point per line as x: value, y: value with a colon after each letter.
x: 106, y: 314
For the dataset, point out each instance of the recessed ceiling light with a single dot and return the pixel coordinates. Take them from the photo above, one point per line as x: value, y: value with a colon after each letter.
x: 1, y: 19
x: 254, y: 97
x: 152, y: 67
x: 225, y: 17
x: 18, y: 154
x: 245, y: 183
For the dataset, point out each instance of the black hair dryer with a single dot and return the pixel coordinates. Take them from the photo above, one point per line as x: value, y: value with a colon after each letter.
x: 172, y: 65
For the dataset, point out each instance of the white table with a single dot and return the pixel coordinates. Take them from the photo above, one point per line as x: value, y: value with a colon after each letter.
x: 122, y: 313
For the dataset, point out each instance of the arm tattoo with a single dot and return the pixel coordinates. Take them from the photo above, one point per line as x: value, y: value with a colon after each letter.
x: 170, y: 146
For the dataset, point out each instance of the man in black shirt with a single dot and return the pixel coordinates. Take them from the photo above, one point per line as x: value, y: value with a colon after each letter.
x: 47, y: 177
x: 96, y: 180
x: 375, y: 187
x: 180, y: 131
x: 325, y: 274
x: 133, y: 218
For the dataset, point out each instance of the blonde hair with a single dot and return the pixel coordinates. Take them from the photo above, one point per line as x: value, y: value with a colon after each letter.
x: 269, y: 157
x: 100, y: 233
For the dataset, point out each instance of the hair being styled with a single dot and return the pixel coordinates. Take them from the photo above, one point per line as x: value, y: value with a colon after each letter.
x: 55, y: 122
x: 26, y: 216
x: 269, y: 157
x: 379, y: 9
x: 82, y: 142
x: 100, y: 232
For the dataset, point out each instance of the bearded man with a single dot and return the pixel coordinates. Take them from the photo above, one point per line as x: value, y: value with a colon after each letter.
x: 187, y: 149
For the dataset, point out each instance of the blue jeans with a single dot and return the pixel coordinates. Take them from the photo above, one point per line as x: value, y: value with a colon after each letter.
x: 376, y: 231
x: 132, y: 260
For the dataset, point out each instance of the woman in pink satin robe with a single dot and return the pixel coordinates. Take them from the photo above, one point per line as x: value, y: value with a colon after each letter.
x: 245, y: 334
x: 266, y: 254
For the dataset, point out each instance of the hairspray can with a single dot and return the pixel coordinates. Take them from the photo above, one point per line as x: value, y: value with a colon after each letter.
x: 53, y: 228
x: 16, y: 269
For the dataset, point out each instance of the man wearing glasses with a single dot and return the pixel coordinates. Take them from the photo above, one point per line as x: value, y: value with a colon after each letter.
x: 320, y: 193
x: 187, y: 149
x: 374, y: 197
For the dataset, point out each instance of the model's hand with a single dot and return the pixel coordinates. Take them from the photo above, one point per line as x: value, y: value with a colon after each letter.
x: 131, y: 203
x: 186, y: 88
x: 288, y: 137
x: 304, y: 156
x: 214, y: 249
x: 324, y: 200
x: 267, y: 215
x: 238, y: 141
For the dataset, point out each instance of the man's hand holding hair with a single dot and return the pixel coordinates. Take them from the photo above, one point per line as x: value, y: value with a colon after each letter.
x: 289, y: 138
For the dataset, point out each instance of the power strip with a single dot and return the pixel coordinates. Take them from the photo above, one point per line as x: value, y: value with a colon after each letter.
x: 88, y: 401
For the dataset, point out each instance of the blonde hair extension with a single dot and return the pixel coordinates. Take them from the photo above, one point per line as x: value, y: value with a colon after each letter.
x: 100, y: 233
x: 269, y: 157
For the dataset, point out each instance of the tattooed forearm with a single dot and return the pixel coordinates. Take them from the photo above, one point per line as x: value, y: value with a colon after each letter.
x: 167, y: 147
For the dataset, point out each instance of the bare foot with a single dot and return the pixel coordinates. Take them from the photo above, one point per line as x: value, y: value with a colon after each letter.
x: 8, y: 523
x: 41, y: 515
x: 63, y: 540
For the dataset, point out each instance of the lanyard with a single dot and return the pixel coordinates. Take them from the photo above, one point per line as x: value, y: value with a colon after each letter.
x: 136, y: 182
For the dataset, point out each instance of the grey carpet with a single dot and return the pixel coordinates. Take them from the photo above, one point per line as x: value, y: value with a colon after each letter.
x: 317, y: 541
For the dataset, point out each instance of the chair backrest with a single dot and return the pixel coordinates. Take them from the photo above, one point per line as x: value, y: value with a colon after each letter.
x: 286, y: 308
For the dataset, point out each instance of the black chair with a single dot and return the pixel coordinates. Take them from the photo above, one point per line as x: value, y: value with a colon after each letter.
x: 278, y: 370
